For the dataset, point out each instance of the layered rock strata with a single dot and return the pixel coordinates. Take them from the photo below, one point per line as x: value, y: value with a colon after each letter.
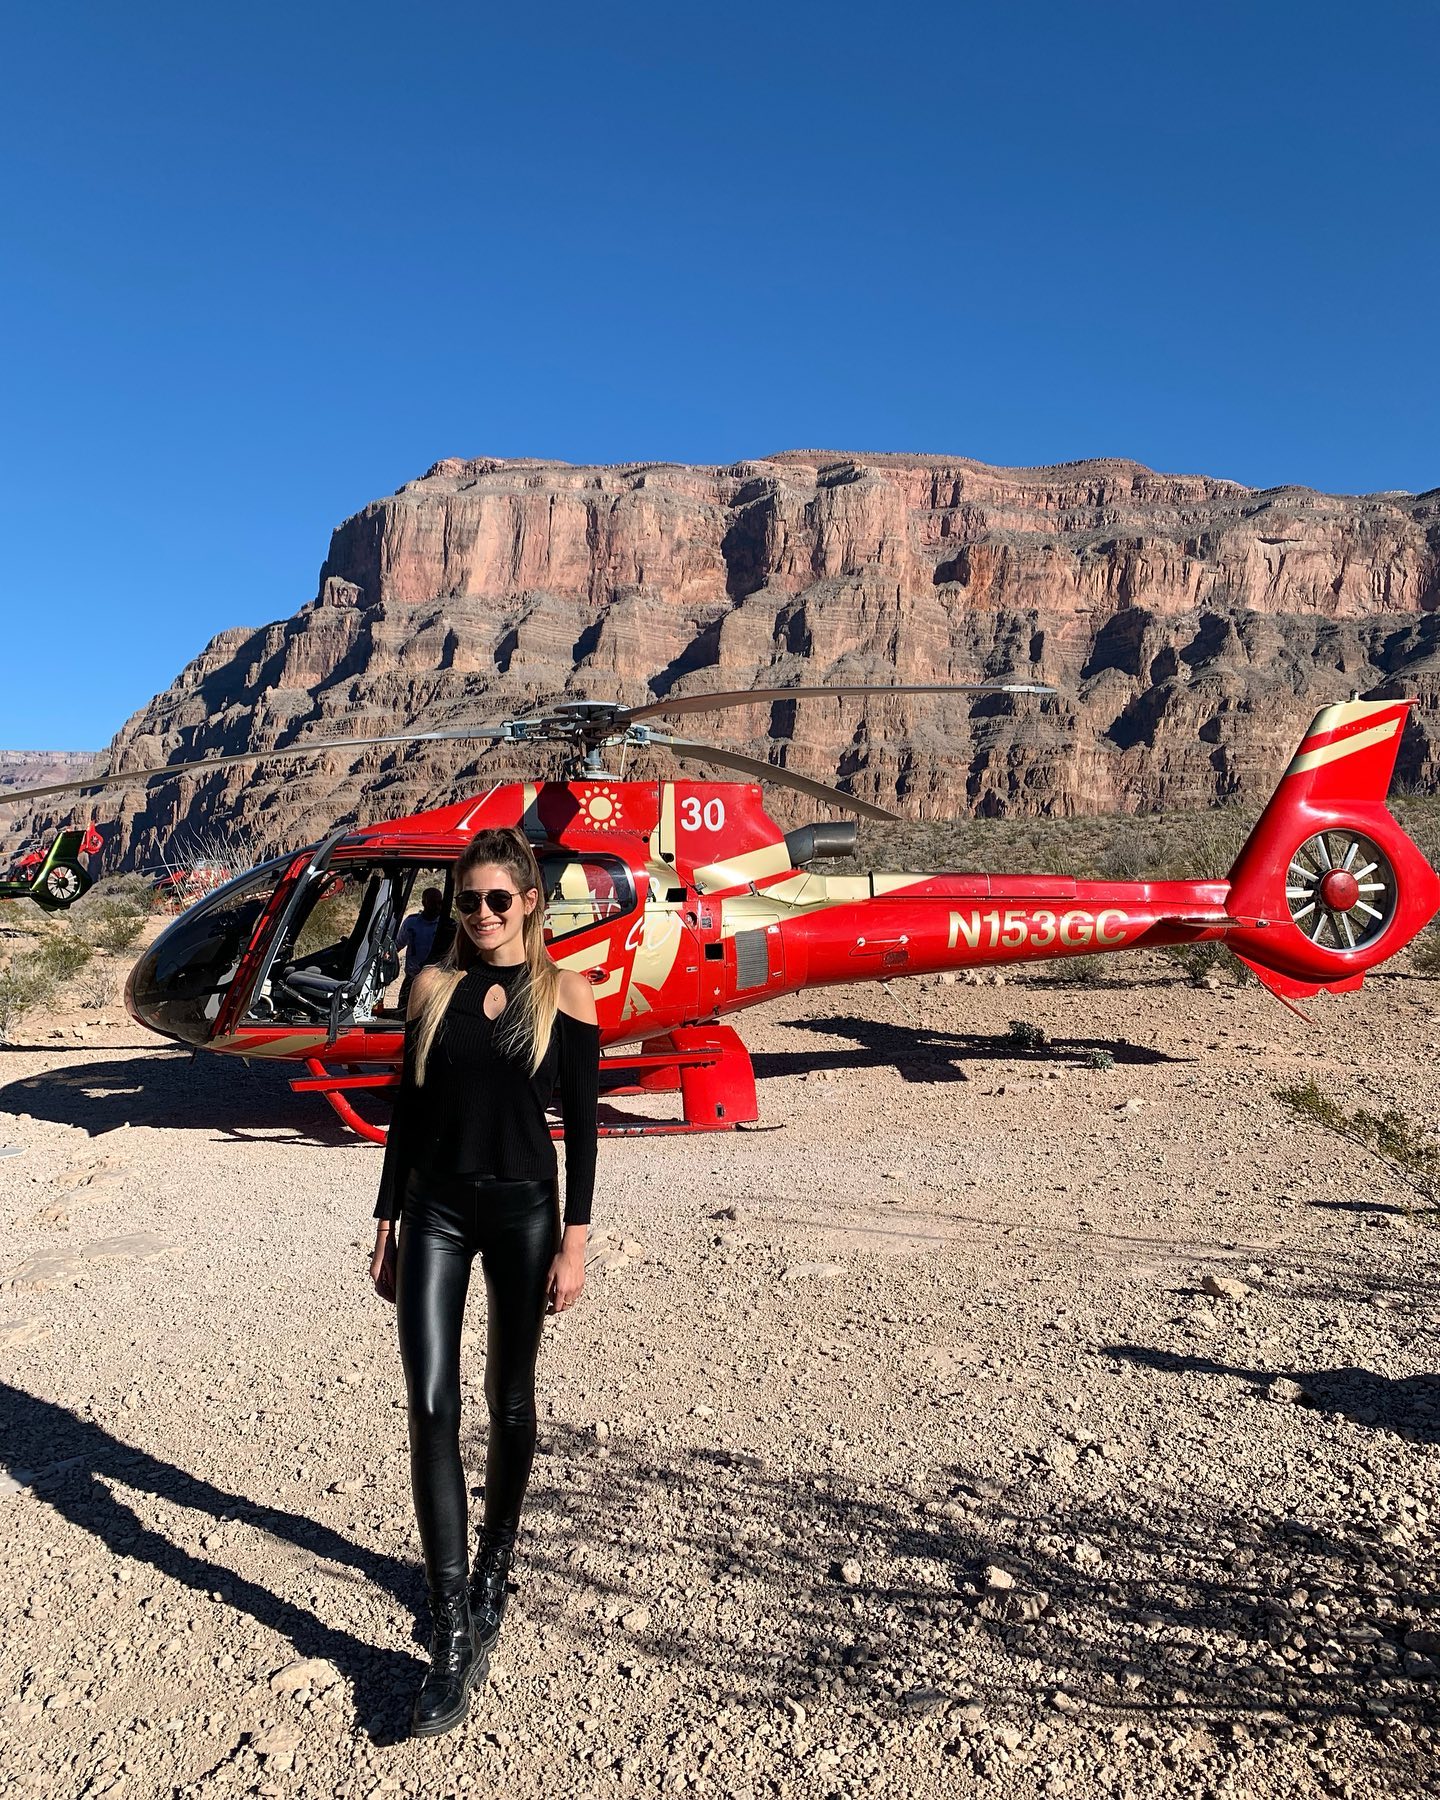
x: 1191, y: 627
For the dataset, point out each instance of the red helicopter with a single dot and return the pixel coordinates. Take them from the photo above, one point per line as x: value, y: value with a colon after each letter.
x: 683, y: 902
x: 53, y: 878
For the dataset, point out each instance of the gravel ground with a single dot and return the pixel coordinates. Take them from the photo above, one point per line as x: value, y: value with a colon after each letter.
x: 896, y: 1447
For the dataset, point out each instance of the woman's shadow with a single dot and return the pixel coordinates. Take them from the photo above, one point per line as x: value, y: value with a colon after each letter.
x: 76, y: 1484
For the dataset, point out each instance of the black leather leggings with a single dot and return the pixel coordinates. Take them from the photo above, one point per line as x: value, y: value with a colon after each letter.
x: 515, y: 1226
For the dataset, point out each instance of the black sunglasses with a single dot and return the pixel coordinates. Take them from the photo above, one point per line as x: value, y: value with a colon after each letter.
x: 468, y: 900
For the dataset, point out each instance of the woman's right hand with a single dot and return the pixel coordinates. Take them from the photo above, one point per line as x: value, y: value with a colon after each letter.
x: 382, y: 1266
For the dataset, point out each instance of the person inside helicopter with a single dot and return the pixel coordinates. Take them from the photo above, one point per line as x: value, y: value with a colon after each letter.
x: 416, y: 940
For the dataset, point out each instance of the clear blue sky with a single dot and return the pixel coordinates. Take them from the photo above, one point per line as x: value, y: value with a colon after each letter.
x: 264, y: 263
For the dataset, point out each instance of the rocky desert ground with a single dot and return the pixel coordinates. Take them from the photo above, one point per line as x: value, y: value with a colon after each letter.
x: 989, y: 1421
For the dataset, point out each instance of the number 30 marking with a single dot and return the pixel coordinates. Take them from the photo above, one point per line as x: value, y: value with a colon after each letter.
x: 693, y: 816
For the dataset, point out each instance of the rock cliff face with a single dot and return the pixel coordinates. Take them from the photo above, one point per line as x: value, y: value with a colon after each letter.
x: 1191, y: 626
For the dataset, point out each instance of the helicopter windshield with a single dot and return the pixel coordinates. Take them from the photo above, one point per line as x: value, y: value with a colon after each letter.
x: 178, y: 985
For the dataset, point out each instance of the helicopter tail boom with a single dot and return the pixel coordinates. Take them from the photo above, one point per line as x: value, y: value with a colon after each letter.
x: 1328, y: 885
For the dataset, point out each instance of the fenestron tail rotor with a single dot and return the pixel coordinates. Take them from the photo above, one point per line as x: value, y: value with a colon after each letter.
x: 1341, y: 889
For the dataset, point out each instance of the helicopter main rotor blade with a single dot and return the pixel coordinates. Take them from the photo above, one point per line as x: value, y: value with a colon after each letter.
x: 751, y: 696
x: 309, y: 747
x: 764, y: 771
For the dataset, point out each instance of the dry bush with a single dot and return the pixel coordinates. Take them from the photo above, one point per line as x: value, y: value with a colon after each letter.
x: 1196, y: 960
x: 25, y: 984
x: 115, y: 930
x: 63, y: 956
x: 203, y: 861
x: 113, y: 914
x: 99, y: 985
x: 1392, y: 1138
x: 1425, y: 957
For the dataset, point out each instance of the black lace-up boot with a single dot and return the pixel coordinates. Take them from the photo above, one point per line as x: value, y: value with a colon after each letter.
x: 490, y: 1588
x: 454, y: 1666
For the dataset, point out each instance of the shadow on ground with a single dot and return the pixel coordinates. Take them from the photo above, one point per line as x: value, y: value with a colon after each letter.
x: 199, y: 1089
x: 921, y: 1053
x: 1409, y: 1404
x: 1147, y: 1608
x: 75, y: 1467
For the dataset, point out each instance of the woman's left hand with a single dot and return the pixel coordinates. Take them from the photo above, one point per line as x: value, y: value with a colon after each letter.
x: 566, y: 1278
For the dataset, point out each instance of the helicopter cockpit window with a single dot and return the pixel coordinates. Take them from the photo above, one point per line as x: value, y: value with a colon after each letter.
x: 179, y: 983
x: 337, y: 955
x: 584, y: 891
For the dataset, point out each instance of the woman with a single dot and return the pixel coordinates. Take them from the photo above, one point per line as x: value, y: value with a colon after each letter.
x: 491, y: 1030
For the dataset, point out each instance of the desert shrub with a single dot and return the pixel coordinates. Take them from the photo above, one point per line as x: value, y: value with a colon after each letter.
x: 114, y: 929
x: 24, y: 985
x: 130, y: 893
x: 202, y: 861
x: 98, y: 985
x: 1126, y: 857
x: 1244, y: 975
x: 1196, y: 960
x: 1098, y: 1059
x: 113, y: 914
x: 1074, y: 971
x: 1425, y: 957
x: 1393, y: 1138
x: 1025, y: 1036
x: 64, y: 955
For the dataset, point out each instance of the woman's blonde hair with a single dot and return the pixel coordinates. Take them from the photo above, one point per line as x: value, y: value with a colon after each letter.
x: 530, y: 1015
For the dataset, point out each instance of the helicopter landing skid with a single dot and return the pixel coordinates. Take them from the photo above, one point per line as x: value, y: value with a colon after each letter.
x: 708, y: 1064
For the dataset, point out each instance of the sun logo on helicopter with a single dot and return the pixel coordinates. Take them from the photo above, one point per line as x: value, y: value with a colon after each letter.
x: 600, y: 808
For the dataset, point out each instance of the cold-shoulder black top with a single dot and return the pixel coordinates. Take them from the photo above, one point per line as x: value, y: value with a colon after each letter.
x: 481, y: 1113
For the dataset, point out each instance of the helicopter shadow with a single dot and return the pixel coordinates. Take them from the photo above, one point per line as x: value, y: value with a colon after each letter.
x: 220, y: 1095
x: 919, y: 1053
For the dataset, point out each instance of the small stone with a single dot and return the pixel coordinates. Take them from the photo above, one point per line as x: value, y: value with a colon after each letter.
x: 15, y: 1332
x: 352, y: 1484
x: 799, y: 1271
x: 1286, y: 1392
x: 312, y: 1672
x: 850, y: 1572
x: 637, y: 1619
x: 279, y: 1743
x: 922, y: 1699
x: 1225, y: 1287
x: 998, y: 1580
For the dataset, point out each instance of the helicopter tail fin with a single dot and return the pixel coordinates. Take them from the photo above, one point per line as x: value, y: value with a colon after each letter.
x: 60, y: 879
x: 1332, y: 882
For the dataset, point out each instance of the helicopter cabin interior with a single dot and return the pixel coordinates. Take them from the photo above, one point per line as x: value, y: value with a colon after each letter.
x: 334, y: 959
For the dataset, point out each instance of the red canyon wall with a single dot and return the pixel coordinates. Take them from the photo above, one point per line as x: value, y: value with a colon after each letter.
x: 1191, y: 626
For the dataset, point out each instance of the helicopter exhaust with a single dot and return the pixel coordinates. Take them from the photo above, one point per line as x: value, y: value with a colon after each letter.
x: 828, y: 837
